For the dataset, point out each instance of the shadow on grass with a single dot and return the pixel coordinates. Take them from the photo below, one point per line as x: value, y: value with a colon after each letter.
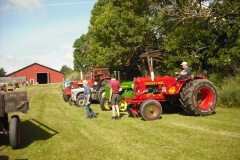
x: 2, y: 157
x: 32, y: 130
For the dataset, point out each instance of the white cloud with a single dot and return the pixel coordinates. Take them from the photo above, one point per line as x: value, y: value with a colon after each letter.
x: 21, y: 5
x: 8, y: 57
x: 31, y: 4
x: 12, y: 63
x: 5, y: 7
x: 66, y: 52
x: 26, y: 4
x: 49, y: 44
x: 66, y: 4
x: 51, y: 59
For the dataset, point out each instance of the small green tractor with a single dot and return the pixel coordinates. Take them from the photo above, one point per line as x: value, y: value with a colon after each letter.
x: 127, y: 92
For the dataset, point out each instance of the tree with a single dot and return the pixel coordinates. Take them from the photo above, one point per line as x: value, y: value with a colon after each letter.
x: 65, y: 69
x: 119, y: 29
x: 204, y: 34
x: 81, y: 53
x: 2, y: 73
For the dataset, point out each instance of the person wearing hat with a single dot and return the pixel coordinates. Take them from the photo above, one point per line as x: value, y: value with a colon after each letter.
x: 186, y: 72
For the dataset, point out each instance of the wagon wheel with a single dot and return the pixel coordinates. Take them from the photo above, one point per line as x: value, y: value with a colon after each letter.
x: 122, y: 104
x: 15, y: 132
x: 150, y: 110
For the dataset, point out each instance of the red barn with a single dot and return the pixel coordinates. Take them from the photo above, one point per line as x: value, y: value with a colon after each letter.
x: 37, y: 73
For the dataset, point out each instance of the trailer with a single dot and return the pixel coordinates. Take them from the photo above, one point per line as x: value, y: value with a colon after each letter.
x: 12, y: 101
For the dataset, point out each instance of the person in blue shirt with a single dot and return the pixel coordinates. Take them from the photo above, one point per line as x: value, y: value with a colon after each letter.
x: 87, y: 100
x: 186, y: 72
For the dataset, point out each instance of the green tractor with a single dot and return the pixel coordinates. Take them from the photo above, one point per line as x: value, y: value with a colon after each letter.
x: 127, y: 92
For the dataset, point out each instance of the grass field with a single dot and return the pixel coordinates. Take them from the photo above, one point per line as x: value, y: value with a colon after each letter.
x: 54, y: 130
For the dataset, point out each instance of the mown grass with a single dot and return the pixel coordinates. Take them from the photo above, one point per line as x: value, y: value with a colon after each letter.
x: 54, y: 130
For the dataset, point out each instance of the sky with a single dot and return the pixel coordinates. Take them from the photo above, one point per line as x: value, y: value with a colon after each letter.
x: 41, y: 31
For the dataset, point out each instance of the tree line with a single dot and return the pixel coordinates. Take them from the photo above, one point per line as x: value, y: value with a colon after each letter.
x: 206, y: 34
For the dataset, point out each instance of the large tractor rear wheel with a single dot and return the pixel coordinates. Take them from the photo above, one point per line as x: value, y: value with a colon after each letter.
x: 100, y: 93
x: 15, y: 132
x: 150, y: 109
x: 199, y: 97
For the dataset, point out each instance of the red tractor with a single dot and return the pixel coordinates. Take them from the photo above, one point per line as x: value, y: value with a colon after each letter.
x: 67, y: 89
x: 196, y: 95
x: 97, y: 79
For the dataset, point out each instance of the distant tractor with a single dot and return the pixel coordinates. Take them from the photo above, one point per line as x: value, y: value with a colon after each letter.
x: 97, y: 79
x: 196, y: 95
x: 13, y: 101
x: 127, y: 92
x: 67, y: 90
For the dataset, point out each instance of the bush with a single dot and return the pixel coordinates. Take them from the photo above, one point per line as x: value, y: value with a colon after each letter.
x: 229, y: 92
x: 217, y: 79
x: 72, y: 76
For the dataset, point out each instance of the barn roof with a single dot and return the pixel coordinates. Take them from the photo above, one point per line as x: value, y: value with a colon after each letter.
x: 32, y: 65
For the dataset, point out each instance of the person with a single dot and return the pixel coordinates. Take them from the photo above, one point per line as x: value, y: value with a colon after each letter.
x: 186, y: 72
x: 115, y: 88
x: 87, y: 100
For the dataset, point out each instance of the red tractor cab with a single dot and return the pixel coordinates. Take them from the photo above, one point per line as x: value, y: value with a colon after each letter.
x: 97, y: 76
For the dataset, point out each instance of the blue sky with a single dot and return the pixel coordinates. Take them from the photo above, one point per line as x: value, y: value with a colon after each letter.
x: 41, y: 31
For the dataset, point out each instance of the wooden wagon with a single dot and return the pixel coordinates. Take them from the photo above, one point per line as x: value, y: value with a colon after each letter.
x: 12, y: 101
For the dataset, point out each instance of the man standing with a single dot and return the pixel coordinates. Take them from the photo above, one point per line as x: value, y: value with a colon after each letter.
x: 87, y: 100
x: 186, y: 72
x: 115, y: 88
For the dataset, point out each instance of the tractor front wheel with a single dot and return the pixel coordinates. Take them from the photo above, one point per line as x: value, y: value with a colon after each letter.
x: 80, y: 101
x: 65, y: 97
x: 150, y: 110
x: 104, y: 104
x: 122, y: 104
x: 15, y: 132
x: 71, y: 103
x: 199, y: 97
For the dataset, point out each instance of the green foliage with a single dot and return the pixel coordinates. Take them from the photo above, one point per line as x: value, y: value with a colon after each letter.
x: 65, y: 69
x: 72, y: 76
x: 217, y: 79
x: 207, y: 41
x: 229, y: 92
x: 81, y: 53
x: 117, y: 32
x: 2, y: 72
x: 208, y: 38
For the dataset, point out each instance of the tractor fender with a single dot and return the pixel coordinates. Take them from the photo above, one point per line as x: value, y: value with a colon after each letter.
x: 75, y: 92
x: 180, y: 84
